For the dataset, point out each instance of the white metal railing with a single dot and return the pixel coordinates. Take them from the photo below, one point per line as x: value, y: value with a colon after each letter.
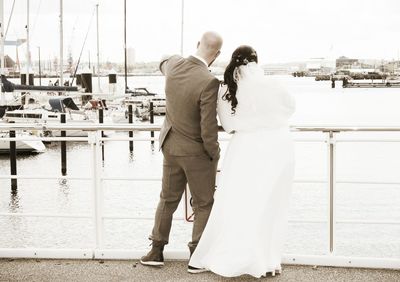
x: 95, y: 139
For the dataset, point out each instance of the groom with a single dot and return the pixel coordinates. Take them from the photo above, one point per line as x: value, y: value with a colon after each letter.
x: 189, y: 142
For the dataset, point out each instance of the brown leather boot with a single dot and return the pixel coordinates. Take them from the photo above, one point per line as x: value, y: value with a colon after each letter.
x: 191, y: 250
x: 155, y: 257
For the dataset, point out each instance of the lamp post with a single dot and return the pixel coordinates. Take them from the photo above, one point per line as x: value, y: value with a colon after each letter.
x: 126, y: 66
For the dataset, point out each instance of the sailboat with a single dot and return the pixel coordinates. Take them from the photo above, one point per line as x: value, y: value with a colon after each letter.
x: 30, y: 144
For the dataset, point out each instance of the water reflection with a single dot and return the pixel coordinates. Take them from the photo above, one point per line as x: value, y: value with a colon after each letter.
x: 131, y: 157
x: 63, y: 195
x: 64, y: 187
x: 14, y: 204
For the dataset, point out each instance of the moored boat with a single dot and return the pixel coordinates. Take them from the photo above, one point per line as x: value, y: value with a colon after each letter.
x: 30, y: 144
x: 45, y: 117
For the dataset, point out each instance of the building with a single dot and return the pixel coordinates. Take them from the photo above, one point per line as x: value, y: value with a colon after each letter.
x: 391, y: 67
x: 271, y: 69
x: 319, y: 65
x: 346, y: 63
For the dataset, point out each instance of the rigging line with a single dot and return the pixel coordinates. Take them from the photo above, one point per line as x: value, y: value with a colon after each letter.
x: 9, y: 19
x: 83, y: 46
x: 36, y: 17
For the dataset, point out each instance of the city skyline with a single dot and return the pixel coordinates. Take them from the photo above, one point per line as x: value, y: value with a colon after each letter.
x: 281, y: 31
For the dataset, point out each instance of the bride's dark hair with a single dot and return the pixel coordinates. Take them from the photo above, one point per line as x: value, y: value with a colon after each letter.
x: 241, y: 56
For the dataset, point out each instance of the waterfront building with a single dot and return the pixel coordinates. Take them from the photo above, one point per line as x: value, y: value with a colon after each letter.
x: 345, y: 63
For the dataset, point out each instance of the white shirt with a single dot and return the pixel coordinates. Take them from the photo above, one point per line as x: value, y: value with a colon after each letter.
x: 201, y: 59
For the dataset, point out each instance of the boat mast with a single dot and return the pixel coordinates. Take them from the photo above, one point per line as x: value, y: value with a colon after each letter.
x: 126, y: 66
x: 61, y: 44
x: 28, y: 57
x: 2, y: 98
x: 98, y: 52
x: 182, y: 17
x: 40, y: 70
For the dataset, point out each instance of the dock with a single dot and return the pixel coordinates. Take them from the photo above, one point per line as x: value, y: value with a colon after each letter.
x: 371, y: 85
x: 131, y: 270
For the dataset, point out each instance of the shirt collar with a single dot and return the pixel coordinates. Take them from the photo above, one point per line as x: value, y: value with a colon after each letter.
x: 201, y: 59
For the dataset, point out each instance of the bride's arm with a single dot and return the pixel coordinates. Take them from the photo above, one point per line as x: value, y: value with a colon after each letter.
x: 225, y: 112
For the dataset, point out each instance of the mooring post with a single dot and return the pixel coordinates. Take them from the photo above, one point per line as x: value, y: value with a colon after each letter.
x: 152, y: 120
x: 101, y: 120
x: 63, y: 148
x: 130, y: 118
x: 13, y: 161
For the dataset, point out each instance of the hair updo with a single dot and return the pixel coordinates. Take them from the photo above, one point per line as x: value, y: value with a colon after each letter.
x: 241, y: 56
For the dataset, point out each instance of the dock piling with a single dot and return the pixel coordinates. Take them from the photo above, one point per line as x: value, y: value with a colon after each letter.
x: 130, y: 118
x: 63, y: 149
x: 101, y: 120
x: 13, y: 161
x: 152, y: 120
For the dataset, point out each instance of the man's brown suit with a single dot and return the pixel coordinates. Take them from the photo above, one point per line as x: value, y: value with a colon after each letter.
x: 189, y: 142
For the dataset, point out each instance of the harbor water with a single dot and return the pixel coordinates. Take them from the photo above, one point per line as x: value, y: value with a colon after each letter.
x: 317, y: 104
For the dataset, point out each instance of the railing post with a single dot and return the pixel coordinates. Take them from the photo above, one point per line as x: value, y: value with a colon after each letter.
x: 94, y: 140
x: 63, y: 148
x: 130, y: 118
x: 13, y: 162
x: 331, y: 190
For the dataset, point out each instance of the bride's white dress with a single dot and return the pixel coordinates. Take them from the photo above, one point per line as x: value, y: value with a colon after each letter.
x: 246, y: 229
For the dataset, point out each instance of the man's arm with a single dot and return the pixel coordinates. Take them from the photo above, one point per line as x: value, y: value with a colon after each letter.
x: 208, y: 119
x: 164, y: 63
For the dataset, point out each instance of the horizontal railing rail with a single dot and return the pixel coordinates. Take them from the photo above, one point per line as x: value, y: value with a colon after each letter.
x: 95, y: 138
x: 157, y: 127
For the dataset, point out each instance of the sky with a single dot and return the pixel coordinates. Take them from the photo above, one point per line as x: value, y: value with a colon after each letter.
x: 280, y: 30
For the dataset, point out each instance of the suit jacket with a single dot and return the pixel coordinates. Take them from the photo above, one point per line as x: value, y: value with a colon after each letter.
x: 191, y: 108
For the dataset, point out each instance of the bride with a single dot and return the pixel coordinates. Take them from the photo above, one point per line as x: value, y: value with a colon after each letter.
x: 246, y: 228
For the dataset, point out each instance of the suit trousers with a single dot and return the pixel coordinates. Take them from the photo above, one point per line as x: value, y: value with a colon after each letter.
x: 199, y: 172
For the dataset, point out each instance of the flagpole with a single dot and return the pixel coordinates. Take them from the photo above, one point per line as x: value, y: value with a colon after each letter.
x: 126, y: 66
x: 182, y: 22
x: 61, y: 44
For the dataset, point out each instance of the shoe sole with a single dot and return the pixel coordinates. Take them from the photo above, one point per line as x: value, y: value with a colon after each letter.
x: 272, y: 273
x: 197, y: 271
x: 152, y: 263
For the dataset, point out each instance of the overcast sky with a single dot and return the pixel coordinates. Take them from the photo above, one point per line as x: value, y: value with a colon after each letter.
x: 280, y: 30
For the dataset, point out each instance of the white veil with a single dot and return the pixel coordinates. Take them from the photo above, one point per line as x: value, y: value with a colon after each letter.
x: 262, y: 101
x: 251, y: 70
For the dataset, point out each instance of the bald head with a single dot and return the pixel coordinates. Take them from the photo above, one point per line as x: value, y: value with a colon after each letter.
x: 209, y: 46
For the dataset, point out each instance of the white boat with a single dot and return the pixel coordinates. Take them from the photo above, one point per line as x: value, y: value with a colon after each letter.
x: 141, y: 99
x: 32, y: 144
x: 141, y: 108
x: 159, y: 105
x: 44, y: 117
